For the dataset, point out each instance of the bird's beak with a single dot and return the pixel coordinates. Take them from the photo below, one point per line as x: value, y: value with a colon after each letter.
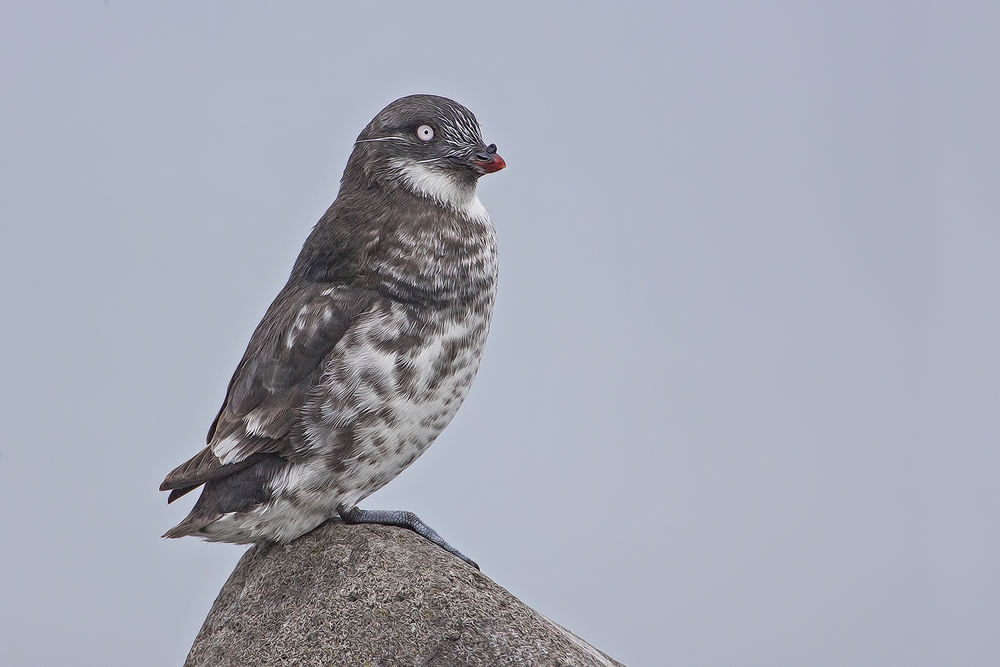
x: 487, y: 161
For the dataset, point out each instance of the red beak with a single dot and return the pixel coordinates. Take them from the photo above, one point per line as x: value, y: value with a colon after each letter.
x: 494, y: 164
x: 488, y: 161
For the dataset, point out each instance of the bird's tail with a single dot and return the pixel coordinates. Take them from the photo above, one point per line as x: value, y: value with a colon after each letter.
x: 246, y: 487
x: 193, y: 524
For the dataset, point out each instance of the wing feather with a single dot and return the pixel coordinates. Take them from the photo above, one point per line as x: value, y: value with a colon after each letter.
x: 283, y: 361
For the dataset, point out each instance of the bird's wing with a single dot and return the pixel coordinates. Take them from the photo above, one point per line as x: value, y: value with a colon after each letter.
x: 283, y: 361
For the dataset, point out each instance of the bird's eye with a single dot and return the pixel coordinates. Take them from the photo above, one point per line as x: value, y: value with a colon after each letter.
x: 425, y: 133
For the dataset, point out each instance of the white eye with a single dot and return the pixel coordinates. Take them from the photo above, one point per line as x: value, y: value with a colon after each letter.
x: 425, y: 133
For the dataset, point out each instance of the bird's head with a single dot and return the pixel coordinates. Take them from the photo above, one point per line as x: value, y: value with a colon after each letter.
x: 427, y: 144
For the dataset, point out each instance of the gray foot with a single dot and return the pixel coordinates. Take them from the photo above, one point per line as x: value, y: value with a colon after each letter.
x: 403, y: 519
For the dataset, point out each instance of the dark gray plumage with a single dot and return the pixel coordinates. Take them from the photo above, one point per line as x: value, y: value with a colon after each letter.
x: 367, y: 352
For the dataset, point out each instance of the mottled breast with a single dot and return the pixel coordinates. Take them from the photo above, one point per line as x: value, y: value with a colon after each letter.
x: 399, y: 375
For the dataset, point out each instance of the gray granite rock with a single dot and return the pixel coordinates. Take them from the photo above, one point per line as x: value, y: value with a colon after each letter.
x: 374, y: 596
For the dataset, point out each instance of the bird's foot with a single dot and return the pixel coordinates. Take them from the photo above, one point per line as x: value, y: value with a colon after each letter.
x: 403, y: 519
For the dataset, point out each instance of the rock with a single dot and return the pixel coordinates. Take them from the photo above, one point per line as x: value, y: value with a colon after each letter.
x: 379, y: 596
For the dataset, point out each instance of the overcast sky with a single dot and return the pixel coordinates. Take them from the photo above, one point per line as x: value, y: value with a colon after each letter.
x: 741, y: 400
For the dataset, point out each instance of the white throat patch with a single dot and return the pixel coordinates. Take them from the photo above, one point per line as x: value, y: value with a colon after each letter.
x: 441, y: 188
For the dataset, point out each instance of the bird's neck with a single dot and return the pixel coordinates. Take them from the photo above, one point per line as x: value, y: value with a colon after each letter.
x: 445, y: 188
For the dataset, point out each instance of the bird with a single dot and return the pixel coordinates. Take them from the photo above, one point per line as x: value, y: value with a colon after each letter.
x: 367, y: 352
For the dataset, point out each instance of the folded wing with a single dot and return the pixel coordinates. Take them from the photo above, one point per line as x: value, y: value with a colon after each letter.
x: 285, y: 358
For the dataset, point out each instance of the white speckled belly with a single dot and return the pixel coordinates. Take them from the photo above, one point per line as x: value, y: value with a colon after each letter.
x: 398, y: 384
x: 384, y: 399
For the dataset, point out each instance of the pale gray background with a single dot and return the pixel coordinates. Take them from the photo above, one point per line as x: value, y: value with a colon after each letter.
x: 741, y: 402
